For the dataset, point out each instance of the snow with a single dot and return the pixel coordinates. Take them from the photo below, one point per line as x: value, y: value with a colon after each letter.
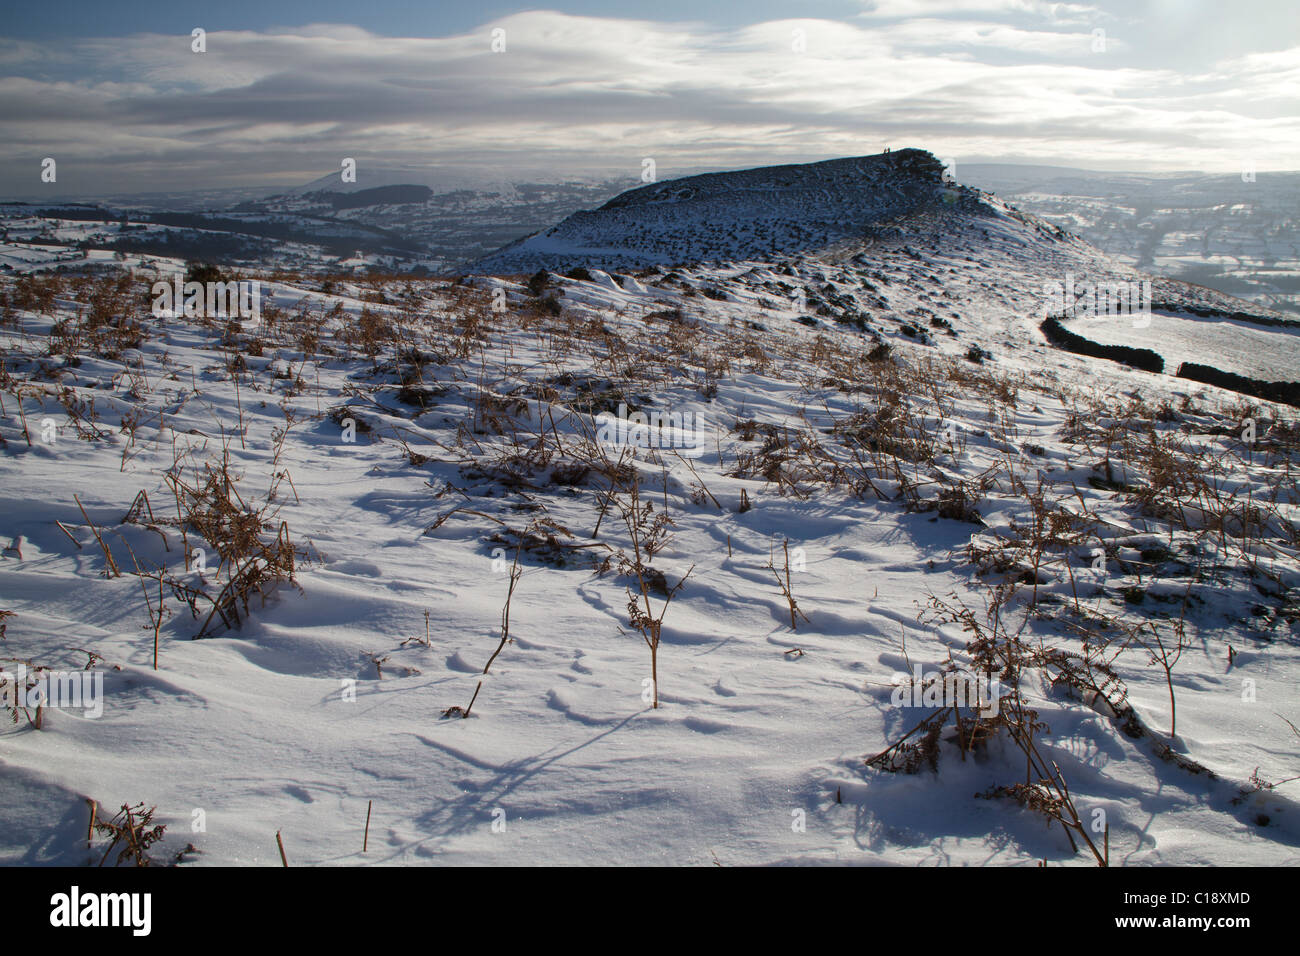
x: 719, y: 216
x: 757, y: 752
x: 1271, y: 354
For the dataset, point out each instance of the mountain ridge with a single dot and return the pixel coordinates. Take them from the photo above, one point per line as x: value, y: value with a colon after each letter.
x: 763, y: 213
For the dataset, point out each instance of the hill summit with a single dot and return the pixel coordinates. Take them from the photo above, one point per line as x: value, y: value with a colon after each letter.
x: 764, y: 213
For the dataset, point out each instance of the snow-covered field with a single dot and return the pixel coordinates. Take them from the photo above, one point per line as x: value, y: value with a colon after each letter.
x: 1268, y: 353
x: 891, y: 471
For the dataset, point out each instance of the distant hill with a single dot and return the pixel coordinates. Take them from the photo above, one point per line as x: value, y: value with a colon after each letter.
x: 1236, y: 234
x: 397, y: 195
x: 762, y: 213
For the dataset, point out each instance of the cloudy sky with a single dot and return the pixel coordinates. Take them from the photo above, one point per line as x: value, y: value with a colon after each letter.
x: 116, y: 95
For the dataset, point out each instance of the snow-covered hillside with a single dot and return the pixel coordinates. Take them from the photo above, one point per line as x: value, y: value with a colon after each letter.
x: 750, y: 214
x: 379, y: 490
x: 1239, y: 233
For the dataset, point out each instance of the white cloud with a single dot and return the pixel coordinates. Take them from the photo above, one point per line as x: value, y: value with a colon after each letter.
x: 1058, y: 12
x: 579, y: 93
